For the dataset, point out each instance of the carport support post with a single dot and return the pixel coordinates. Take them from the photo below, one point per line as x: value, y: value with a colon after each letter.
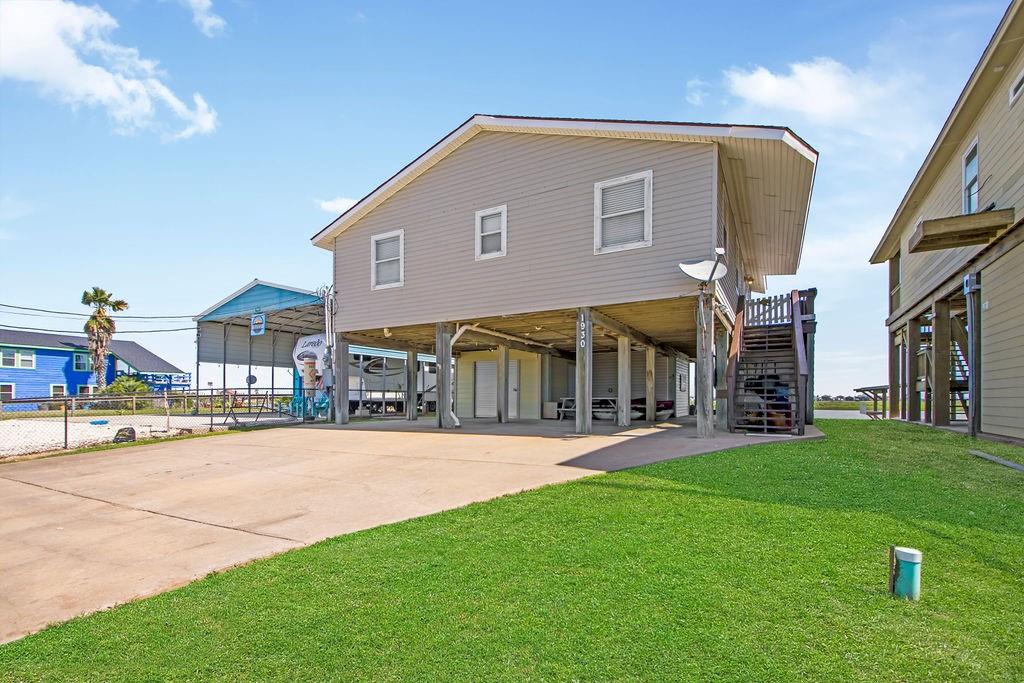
x: 443, y: 352
x: 341, y: 372
x: 502, y: 383
x: 411, y: 388
x: 224, y: 370
x: 705, y: 380
x: 625, y: 383
x: 584, y: 370
x: 650, y: 400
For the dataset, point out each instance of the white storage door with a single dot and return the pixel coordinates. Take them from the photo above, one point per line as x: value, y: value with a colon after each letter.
x: 485, y: 389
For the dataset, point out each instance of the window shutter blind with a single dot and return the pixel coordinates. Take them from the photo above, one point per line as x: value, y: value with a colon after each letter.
x: 490, y: 244
x: 490, y: 223
x: 618, y: 226
x: 388, y: 272
x: 388, y: 248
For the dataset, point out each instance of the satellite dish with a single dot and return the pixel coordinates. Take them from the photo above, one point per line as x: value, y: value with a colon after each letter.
x: 705, y: 271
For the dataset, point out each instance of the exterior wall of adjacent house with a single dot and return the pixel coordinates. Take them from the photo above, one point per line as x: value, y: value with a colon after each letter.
x: 1002, y: 347
x: 53, y: 367
x: 547, y: 183
x: 999, y: 130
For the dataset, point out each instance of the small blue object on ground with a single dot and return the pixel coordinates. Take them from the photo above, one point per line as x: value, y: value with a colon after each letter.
x: 98, y: 422
x: 905, y: 572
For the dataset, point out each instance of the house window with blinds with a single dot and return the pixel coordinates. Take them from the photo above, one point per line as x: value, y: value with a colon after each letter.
x: 622, y: 213
x: 387, y: 260
x: 491, y: 230
x: 971, y: 185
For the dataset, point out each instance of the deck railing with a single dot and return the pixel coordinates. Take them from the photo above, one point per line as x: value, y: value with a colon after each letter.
x: 769, y: 310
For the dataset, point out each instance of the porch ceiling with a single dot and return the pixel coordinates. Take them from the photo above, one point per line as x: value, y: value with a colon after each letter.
x: 669, y: 322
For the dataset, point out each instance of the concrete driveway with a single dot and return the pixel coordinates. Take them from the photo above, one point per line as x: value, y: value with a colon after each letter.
x: 84, y: 532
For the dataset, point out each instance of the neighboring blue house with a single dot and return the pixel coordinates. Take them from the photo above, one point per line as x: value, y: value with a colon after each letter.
x: 39, y: 364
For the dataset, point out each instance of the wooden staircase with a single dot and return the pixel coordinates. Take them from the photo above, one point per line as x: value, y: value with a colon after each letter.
x: 768, y: 371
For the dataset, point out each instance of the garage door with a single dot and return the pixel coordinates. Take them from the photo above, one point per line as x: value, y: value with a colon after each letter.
x: 485, y: 389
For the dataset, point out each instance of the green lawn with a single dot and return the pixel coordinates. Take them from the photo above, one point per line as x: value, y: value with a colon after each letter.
x: 840, y: 405
x: 765, y: 563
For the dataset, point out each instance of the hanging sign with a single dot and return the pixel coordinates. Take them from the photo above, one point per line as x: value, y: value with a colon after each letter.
x: 258, y: 325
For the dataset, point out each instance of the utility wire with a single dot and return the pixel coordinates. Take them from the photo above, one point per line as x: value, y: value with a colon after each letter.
x: 77, y: 314
x: 44, y: 329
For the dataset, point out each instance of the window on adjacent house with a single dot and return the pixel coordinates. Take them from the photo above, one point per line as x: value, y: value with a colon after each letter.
x: 1017, y: 88
x: 491, y: 231
x: 58, y: 390
x: 86, y: 389
x: 971, y: 185
x: 622, y: 213
x: 26, y: 359
x: 6, y: 392
x: 83, y: 362
x: 8, y: 358
x: 387, y: 254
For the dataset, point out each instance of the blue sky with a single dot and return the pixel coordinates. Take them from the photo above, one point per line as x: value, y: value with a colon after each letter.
x: 171, y: 151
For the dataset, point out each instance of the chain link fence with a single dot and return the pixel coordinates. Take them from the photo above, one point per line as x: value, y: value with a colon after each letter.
x: 41, y: 424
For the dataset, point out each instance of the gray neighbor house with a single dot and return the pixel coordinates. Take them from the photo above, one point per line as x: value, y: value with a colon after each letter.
x: 539, y: 258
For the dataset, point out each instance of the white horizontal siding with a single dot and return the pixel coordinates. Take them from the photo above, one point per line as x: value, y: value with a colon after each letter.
x: 1002, y: 350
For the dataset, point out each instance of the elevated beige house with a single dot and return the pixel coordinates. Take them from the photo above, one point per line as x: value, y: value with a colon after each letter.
x: 542, y: 255
x: 956, y: 258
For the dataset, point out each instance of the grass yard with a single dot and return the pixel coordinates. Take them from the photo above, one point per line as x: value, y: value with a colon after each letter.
x: 765, y: 563
x: 840, y: 405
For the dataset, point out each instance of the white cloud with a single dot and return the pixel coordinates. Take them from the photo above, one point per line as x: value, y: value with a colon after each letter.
x: 48, y: 43
x: 696, y: 91
x: 338, y: 205
x: 880, y: 102
x: 203, y: 17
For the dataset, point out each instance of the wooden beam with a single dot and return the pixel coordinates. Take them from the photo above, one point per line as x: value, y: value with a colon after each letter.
x: 341, y: 374
x: 912, y: 367
x: 502, y: 383
x: 520, y: 346
x: 940, y: 362
x: 443, y: 352
x: 650, y: 400
x: 625, y: 383
x: 412, y: 376
x: 704, y: 383
x: 584, y: 371
x: 957, y: 231
x: 721, y: 386
x: 894, y: 377
x: 619, y: 329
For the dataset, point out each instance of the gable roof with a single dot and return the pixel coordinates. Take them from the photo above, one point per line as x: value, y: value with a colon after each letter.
x: 266, y: 296
x: 726, y: 134
x: 136, y: 355
x: 1005, y: 43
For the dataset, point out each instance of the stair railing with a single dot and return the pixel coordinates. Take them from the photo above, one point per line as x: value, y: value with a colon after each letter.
x: 732, y: 368
x: 799, y: 360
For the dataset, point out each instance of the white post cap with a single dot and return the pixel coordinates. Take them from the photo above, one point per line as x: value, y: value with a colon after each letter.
x: 908, y: 555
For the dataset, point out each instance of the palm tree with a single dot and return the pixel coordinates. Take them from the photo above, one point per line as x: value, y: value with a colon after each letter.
x: 100, y: 328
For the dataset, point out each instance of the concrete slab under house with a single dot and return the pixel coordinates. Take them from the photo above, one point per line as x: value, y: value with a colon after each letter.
x: 539, y: 260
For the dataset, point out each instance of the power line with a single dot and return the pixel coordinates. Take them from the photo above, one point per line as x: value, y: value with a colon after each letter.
x: 303, y: 298
x: 86, y: 315
x: 44, y: 329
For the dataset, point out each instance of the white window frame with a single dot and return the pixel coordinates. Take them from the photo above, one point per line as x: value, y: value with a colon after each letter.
x: 963, y: 177
x: 13, y: 387
x: 90, y: 387
x: 1013, y: 97
x: 400, y: 233
x: 478, y: 237
x: 648, y: 240
x: 63, y: 387
x: 14, y: 352
x: 32, y: 355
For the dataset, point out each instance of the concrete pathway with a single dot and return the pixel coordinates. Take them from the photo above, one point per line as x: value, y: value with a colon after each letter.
x: 84, y: 532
